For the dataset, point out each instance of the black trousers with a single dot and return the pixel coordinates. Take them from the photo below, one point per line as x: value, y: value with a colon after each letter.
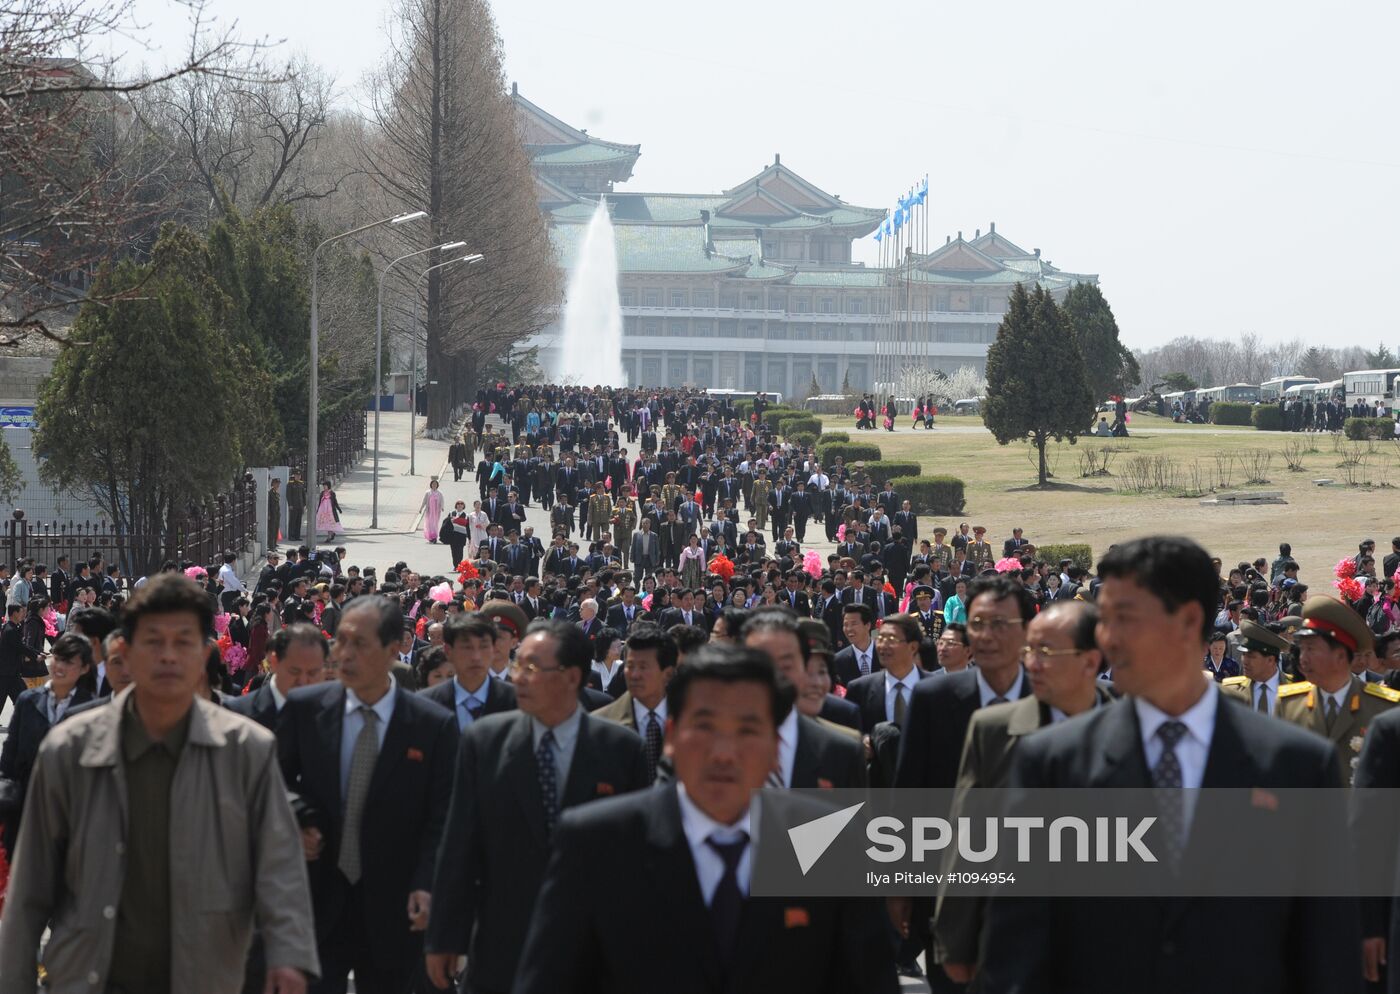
x: 348, y: 948
x: 294, y: 522
x: 10, y: 689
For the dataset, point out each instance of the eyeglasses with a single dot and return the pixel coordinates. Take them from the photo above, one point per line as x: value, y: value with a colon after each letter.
x: 992, y: 626
x: 516, y: 666
x: 890, y: 637
x: 1045, y: 653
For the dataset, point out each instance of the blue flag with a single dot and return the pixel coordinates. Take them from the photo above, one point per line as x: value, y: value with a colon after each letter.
x: 880, y: 233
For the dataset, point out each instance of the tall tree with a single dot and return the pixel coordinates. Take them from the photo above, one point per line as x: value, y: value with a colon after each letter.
x: 1382, y: 358
x: 447, y: 142
x: 146, y: 454
x: 1109, y: 365
x: 1036, y: 384
x: 1179, y: 381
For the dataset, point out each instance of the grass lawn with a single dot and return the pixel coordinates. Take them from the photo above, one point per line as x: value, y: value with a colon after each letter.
x: 1323, y: 523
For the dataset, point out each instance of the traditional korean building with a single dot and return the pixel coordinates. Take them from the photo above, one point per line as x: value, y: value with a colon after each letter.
x: 753, y: 288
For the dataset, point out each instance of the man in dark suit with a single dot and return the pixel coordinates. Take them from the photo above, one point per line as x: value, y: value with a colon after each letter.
x: 685, y: 612
x: 471, y: 694
x: 375, y: 764
x: 626, y: 611
x: 1377, y: 777
x: 884, y: 694
x: 515, y: 774
x: 794, y: 596
x: 1062, y: 663
x: 651, y: 662
x: 16, y: 658
x: 808, y: 754
x: 675, y: 925
x: 907, y: 522
x: 1014, y: 544
x: 1173, y: 730
x: 296, y: 657
x: 860, y: 657
x: 831, y: 611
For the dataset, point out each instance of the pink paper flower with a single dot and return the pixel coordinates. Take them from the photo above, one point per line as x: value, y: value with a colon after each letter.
x: 1008, y: 565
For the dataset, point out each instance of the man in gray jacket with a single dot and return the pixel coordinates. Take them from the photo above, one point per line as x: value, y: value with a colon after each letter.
x: 157, y: 833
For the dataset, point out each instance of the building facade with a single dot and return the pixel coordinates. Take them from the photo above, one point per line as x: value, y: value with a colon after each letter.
x: 753, y: 288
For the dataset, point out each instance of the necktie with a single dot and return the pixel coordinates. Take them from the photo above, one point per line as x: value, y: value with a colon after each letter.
x: 900, y: 704
x: 653, y: 744
x: 1166, y: 776
x: 998, y: 699
x: 362, y: 761
x: 549, y: 780
x: 1331, y: 713
x: 474, y: 707
x: 864, y: 658
x: 1264, y: 698
x: 727, y: 903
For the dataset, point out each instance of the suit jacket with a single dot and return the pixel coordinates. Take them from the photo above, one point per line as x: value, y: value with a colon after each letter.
x: 992, y: 736
x: 616, y: 687
x: 799, y: 602
x: 840, y: 711
x: 848, y: 670
x: 650, y: 557
x: 259, y: 705
x: 1042, y: 944
x: 500, y: 697
x: 935, y: 728
x: 1379, y: 767
x: 617, y: 616
x: 831, y: 614
x: 825, y: 758
x: 646, y: 930
x: 908, y: 524
x: 491, y: 861
x: 29, y: 723
x: 673, y: 616
x: 403, y: 816
x: 868, y: 695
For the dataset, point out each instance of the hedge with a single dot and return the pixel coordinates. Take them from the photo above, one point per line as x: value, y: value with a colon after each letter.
x: 850, y: 451
x: 1267, y: 417
x: 1229, y: 412
x: 792, y: 426
x: 834, y: 436
x: 1083, y: 555
x: 743, y: 408
x: 1358, y: 429
x: 932, y: 494
x: 803, y: 439
x: 887, y: 469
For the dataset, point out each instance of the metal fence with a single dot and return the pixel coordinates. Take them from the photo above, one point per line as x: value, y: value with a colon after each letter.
x: 339, y: 447
x: 200, y: 535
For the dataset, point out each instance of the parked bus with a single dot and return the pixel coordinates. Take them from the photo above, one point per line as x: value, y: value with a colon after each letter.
x: 1371, y: 386
x: 1272, y: 390
x: 771, y: 396
x: 1185, y: 396
x: 1334, y: 391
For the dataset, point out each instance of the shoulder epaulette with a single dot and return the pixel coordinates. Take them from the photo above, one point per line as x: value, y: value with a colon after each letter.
x: 1382, y: 691
x: 1234, y: 681
x: 1294, y: 689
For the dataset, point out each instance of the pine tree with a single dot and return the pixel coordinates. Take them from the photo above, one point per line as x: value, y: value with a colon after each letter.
x: 846, y: 390
x: 1382, y: 358
x: 1036, y: 383
x: 1109, y: 366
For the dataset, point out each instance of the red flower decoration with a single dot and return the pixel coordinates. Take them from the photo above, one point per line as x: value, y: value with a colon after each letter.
x: 1350, y: 588
x: 1345, y: 569
x: 722, y: 566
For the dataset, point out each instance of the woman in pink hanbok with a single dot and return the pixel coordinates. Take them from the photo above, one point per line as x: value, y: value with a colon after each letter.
x: 328, y: 512
x: 432, y: 511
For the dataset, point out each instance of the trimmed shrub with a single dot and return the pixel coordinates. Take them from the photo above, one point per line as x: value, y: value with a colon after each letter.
x: 800, y: 424
x: 1360, y: 429
x: 1229, y: 412
x: 850, y: 451
x: 803, y: 439
x: 1267, y: 417
x: 932, y: 494
x: 887, y: 469
x: 834, y: 436
x: 1083, y: 555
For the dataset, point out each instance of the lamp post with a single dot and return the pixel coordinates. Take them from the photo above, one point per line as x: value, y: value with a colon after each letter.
x: 312, y: 494
x: 413, y: 363
x: 379, y: 362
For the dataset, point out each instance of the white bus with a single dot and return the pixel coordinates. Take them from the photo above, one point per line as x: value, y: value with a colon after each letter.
x: 1272, y: 390
x: 771, y: 396
x: 1371, y: 386
x: 1334, y: 391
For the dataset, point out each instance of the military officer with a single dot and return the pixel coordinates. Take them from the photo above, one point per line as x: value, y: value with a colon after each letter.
x: 758, y: 498
x: 930, y: 620
x: 624, y: 524
x: 671, y: 493
x: 979, y: 550
x: 941, y: 553
x: 599, y: 512
x: 1260, y: 650
x: 1331, y: 700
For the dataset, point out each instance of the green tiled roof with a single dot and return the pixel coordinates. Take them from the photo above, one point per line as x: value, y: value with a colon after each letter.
x: 848, y: 277
x: 581, y: 155
x: 646, y: 248
x: 661, y: 207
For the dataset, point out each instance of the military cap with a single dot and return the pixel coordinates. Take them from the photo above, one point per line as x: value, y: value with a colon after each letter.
x: 506, y: 615
x: 922, y: 590
x: 980, y: 529
x: 1288, y: 626
x: 1254, y: 637
x: 940, y: 530
x: 1328, y: 616
x: 816, y: 633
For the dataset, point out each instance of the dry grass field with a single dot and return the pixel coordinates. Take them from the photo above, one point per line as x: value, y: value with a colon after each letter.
x: 1155, y: 481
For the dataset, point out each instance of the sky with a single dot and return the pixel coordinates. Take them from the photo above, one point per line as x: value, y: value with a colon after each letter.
x: 1222, y: 167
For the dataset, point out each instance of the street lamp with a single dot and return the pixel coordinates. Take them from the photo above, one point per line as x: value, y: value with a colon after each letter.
x: 413, y: 363
x: 312, y: 495
x: 379, y: 362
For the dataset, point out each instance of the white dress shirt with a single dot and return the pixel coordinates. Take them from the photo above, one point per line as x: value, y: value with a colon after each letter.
x: 1192, y: 750
x: 230, y: 578
x: 1057, y: 716
x: 1272, y: 699
x: 987, y: 694
x: 354, y: 721
x: 640, y: 714
x: 909, y: 681
x: 709, y: 867
x: 864, y: 661
x: 787, y: 746
x: 565, y: 738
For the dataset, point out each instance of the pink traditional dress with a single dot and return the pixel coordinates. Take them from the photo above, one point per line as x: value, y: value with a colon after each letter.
x: 432, y: 513
x: 328, y: 515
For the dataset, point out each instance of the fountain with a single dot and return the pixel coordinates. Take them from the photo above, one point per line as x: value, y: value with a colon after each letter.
x: 591, y: 351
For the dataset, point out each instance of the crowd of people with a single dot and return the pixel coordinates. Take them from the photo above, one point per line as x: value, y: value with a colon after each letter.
x: 530, y: 769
